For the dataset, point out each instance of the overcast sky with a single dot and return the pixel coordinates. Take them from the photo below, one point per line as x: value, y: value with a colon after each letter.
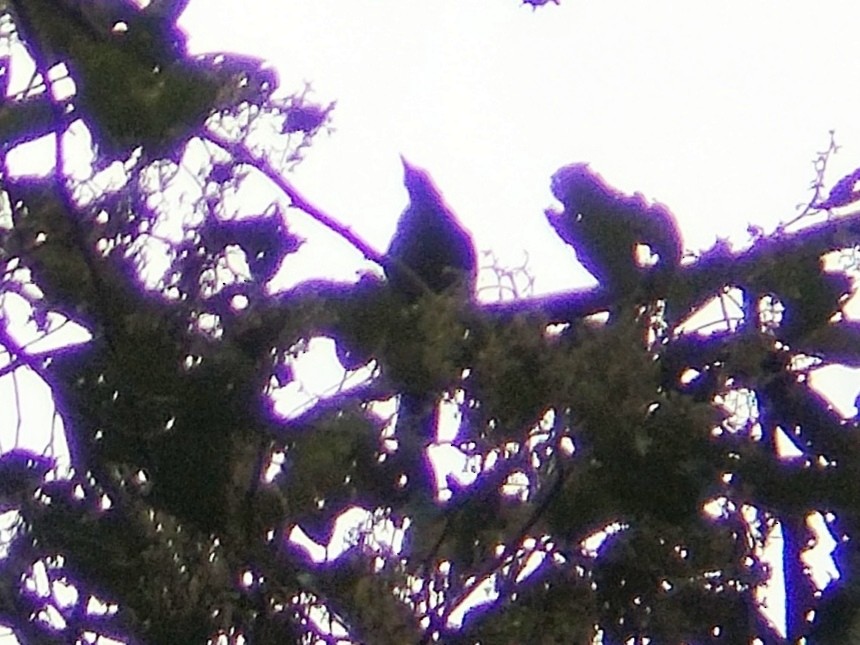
x: 715, y: 109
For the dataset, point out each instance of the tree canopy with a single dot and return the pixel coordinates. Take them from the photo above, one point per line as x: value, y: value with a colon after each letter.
x: 624, y: 466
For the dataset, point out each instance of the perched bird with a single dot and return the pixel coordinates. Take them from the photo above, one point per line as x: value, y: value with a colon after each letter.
x: 430, y: 251
x: 604, y: 227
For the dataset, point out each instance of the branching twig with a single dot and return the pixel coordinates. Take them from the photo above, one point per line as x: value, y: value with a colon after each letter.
x: 242, y: 154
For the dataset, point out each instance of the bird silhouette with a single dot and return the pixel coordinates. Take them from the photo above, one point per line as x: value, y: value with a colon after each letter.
x: 604, y: 226
x: 430, y: 251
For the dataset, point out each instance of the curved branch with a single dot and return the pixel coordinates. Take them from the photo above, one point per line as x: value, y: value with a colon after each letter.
x: 241, y: 153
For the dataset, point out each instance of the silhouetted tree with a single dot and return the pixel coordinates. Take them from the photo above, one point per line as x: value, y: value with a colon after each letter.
x: 617, y: 491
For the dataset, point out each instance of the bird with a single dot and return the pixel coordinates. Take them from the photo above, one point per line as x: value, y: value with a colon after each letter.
x: 430, y: 251
x: 430, y: 254
x: 604, y: 226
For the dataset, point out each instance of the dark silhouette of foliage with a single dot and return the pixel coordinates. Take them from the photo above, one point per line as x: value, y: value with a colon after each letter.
x: 539, y: 3
x: 134, y: 85
x: 616, y: 492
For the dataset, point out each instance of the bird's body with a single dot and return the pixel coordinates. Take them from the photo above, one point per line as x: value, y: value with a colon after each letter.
x: 604, y: 227
x: 430, y: 251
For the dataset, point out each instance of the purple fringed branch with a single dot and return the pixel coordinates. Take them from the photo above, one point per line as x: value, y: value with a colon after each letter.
x: 242, y: 154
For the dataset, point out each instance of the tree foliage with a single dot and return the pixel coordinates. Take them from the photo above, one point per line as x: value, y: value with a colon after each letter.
x: 617, y: 489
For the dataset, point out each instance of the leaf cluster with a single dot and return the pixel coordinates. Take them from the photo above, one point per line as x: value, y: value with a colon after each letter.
x: 611, y: 488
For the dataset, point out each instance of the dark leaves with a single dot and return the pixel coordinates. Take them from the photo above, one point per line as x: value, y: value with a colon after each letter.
x: 539, y: 3
x: 842, y: 193
x: 304, y: 118
x: 134, y: 87
x: 264, y: 239
x: 21, y: 473
x: 810, y: 295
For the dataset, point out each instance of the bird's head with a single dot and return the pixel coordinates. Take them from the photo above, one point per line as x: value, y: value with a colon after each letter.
x: 577, y: 184
x: 418, y: 183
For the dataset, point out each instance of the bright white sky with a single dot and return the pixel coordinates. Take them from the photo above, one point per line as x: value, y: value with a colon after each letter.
x: 715, y: 109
